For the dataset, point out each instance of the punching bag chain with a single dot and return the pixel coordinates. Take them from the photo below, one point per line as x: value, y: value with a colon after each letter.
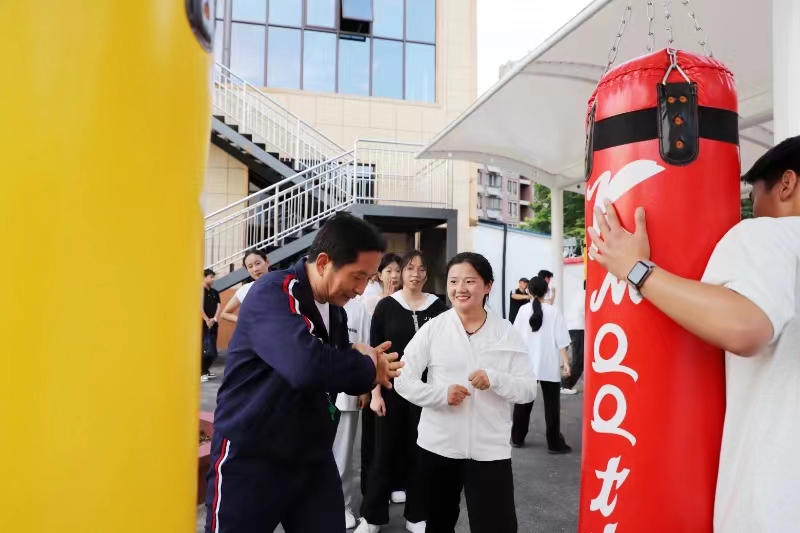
x: 698, y: 29
x: 612, y: 55
x: 651, y: 14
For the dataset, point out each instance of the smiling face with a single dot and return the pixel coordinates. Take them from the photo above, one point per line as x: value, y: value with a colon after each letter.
x: 465, y: 288
x: 256, y: 266
x: 342, y: 284
x: 415, y: 274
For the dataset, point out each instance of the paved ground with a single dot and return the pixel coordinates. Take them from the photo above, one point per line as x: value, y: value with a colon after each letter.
x: 546, y: 486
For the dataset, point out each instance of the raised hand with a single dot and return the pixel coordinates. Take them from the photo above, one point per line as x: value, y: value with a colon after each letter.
x: 479, y: 380
x: 456, y: 395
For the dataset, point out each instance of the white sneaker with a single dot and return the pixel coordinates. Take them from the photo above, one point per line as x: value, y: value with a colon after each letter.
x: 569, y: 391
x: 418, y: 527
x: 365, y: 527
x: 399, y: 496
x: 349, y: 519
x: 203, y: 379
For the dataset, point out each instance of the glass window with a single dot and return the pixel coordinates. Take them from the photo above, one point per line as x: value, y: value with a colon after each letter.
x: 388, y: 19
x: 285, y: 12
x: 357, y: 9
x: 220, y: 9
x: 421, y: 20
x: 319, y: 61
x: 219, y: 35
x: 420, y: 72
x: 321, y: 13
x: 247, y: 52
x: 250, y: 10
x: 354, y: 65
x: 283, y: 63
x: 387, y: 69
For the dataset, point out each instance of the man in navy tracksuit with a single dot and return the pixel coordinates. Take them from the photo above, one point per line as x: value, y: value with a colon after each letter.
x: 275, y: 422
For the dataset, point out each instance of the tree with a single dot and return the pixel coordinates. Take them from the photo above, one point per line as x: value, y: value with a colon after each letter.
x: 747, y: 208
x: 574, y: 215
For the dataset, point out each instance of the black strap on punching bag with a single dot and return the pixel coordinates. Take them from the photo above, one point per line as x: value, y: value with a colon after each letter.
x: 677, y: 122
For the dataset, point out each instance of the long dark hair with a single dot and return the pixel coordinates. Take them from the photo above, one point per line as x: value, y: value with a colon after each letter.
x: 479, y: 263
x: 387, y: 260
x: 260, y: 253
x: 538, y: 288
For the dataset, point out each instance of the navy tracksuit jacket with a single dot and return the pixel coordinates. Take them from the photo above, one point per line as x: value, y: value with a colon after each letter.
x: 271, y: 456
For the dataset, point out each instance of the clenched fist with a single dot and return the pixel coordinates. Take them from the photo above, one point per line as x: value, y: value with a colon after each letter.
x: 479, y: 380
x: 456, y: 395
x: 387, y: 367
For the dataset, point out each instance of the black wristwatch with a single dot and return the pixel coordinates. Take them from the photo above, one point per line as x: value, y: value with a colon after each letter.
x: 639, y: 273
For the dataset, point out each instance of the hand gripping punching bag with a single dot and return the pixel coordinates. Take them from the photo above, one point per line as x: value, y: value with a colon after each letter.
x: 106, y: 122
x: 662, y: 133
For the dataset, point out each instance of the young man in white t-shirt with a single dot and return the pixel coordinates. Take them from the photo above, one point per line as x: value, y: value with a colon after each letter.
x: 748, y: 303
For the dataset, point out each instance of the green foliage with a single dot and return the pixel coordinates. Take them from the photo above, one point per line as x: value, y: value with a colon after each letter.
x: 574, y: 216
x: 747, y: 208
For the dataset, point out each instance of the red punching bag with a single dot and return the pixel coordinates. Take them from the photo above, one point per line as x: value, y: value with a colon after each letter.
x: 662, y: 133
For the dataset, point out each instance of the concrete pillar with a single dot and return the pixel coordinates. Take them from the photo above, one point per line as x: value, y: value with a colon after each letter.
x: 786, y: 68
x: 557, y: 243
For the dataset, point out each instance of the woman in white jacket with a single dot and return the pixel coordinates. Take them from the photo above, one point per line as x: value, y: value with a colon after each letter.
x: 477, y: 368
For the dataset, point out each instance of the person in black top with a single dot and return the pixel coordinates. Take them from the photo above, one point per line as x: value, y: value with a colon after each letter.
x: 211, y: 310
x: 518, y: 298
x: 397, y: 318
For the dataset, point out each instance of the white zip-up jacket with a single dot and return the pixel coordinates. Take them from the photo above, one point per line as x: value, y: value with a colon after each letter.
x: 479, y: 428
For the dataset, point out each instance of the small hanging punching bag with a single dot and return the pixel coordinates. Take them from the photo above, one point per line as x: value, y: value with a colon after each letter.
x: 662, y: 133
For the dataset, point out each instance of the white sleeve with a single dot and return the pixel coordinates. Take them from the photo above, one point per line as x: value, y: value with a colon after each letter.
x: 756, y: 260
x: 242, y: 291
x: 561, y: 332
x: 409, y: 383
x: 518, y: 385
x: 522, y: 322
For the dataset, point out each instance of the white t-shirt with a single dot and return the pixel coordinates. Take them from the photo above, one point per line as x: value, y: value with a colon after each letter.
x: 241, y: 293
x: 325, y: 312
x: 358, y: 322
x: 544, y: 345
x: 576, y: 311
x: 758, y: 488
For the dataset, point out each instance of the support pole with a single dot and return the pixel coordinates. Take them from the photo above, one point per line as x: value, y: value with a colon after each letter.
x: 105, y: 143
x: 786, y: 68
x: 557, y: 243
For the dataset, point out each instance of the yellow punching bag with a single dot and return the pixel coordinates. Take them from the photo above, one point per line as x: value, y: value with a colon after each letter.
x: 104, y: 132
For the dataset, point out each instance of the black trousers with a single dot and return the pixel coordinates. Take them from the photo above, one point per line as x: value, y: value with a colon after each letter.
x: 395, y: 461
x: 488, y: 487
x: 209, y: 348
x: 367, y: 445
x: 551, y: 395
x: 576, y: 366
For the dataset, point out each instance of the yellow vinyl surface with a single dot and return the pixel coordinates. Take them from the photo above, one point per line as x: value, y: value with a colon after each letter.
x: 104, y: 132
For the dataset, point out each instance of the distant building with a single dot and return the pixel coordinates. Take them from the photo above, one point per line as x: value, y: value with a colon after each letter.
x: 503, y: 196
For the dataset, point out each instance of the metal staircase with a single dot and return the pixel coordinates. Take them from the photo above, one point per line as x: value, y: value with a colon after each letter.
x: 284, y: 217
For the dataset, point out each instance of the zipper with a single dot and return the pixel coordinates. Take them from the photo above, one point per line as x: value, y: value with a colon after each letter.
x: 471, y: 413
x: 416, y: 324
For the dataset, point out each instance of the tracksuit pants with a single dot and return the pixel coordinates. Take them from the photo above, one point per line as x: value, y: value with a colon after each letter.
x: 343, y: 454
x: 253, y: 493
x: 551, y: 394
x: 488, y: 488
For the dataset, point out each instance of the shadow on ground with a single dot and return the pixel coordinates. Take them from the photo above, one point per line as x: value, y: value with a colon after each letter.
x: 546, y: 486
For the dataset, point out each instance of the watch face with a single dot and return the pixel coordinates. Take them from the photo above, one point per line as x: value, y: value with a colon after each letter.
x: 637, y: 273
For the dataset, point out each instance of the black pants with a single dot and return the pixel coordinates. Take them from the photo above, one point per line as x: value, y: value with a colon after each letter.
x: 249, y: 493
x: 209, y: 348
x: 576, y: 366
x: 551, y: 394
x: 488, y: 487
x: 396, y: 459
x: 367, y: 445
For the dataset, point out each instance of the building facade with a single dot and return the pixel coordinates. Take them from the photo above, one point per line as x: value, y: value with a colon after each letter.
x: 392, y: 70
x: 503, y: 196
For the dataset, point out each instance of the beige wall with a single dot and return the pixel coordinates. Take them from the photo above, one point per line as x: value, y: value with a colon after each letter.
x: 345, y: 118
x: 226, y: 180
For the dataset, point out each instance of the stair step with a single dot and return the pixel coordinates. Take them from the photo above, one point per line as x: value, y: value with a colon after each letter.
x: 234, y: 127
x: 248, y: 136
x: 221, y: 118
x: 263, y: 146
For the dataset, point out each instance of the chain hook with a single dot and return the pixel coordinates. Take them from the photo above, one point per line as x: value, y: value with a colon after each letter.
x: 673, y: 65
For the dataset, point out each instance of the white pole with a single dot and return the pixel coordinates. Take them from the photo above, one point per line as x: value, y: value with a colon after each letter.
x: 557, y: 243
x: 786, y: 68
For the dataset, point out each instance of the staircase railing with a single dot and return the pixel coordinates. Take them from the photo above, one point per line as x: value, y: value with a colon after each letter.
x: 266, y: 218
x: 374, y: 172
x: 268, y: 121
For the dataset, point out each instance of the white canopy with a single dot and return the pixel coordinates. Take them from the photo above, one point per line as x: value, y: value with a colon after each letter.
x: 532, y: 121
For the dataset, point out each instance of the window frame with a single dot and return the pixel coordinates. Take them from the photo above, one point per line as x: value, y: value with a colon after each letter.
x: 225, y: 25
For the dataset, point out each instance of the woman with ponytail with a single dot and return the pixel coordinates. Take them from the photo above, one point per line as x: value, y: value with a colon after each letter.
x: 545, y: 331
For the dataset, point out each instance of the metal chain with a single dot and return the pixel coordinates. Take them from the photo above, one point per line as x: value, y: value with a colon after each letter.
x: 651, y: 38
x: 698, y: 30
x: 668, y: 24
x: 612, y: 54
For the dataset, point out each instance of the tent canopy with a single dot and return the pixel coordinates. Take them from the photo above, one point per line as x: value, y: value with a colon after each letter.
x: 532, y: 121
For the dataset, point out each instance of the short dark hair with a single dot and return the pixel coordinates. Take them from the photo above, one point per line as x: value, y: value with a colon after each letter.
x: 545, y: 274
x: 523, y: 280
x: 253, y: 251
x: 208, y: 272
x: 387, y: 260
x: 343, y: 237
x: 775, y: 162
x: 410, y: 256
